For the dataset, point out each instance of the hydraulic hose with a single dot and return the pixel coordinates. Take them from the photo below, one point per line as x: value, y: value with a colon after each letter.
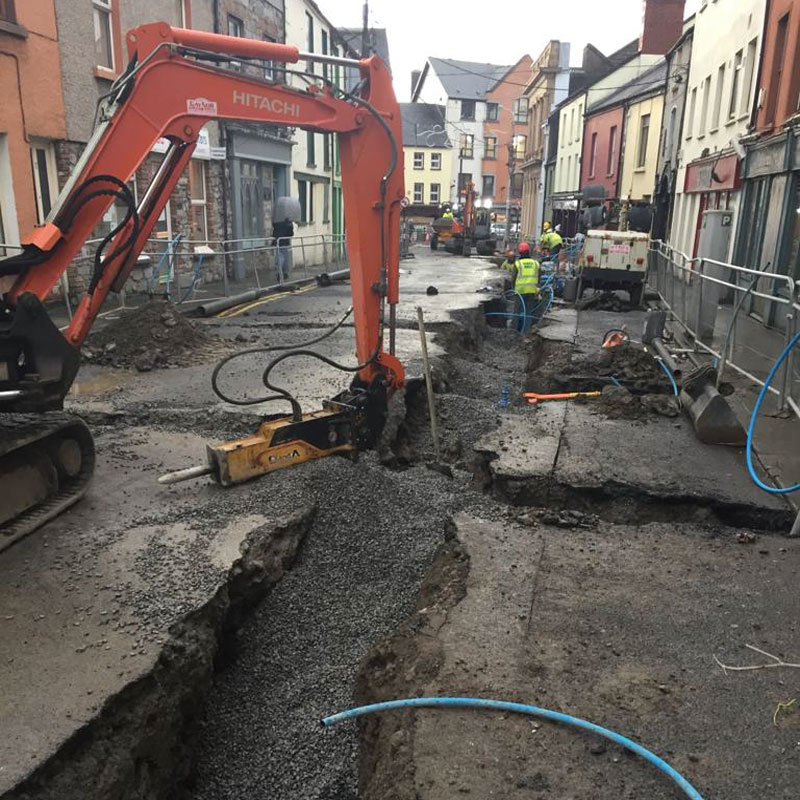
x: 754, y: 418
x: 521, y: 708
x: 668, y: 373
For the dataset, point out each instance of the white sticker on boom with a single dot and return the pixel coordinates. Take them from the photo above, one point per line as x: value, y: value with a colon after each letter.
x: 201, y: 105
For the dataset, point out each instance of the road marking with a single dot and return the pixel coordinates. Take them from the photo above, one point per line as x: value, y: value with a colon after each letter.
x: 236, y: 310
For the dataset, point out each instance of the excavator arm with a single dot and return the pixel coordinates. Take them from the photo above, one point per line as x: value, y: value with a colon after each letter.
x: 170, y: 89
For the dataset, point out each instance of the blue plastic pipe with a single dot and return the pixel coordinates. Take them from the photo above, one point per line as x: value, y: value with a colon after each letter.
x: 520, y: 708
x: 754, y: 417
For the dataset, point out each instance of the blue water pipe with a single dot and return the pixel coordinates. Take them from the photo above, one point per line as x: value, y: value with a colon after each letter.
x: 615, y: 381
x: 521, y: 708
x: 668, y: 373
x: 754, y: 417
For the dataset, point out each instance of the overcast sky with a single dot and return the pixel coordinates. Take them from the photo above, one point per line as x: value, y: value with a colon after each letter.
x: 490, y: 31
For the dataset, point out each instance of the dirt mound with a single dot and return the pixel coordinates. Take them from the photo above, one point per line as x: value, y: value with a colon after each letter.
x: 618, y: 403
x: 551, y: 368
x: 154, y: 335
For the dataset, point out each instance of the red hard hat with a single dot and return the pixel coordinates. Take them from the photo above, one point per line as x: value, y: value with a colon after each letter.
x: 524, y: 247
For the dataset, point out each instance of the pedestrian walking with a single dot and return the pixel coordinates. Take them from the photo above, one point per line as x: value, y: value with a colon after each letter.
x: 282, y: 233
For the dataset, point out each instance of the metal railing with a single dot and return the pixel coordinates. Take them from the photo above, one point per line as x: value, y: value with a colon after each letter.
x: 187, y: 271
x: 743, y: 317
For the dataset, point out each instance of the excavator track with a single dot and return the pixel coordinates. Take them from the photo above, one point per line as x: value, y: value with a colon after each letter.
x: 46, y: 464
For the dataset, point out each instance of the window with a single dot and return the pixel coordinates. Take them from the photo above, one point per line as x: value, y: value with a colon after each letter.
x: 45, y: 177
x: 326, y: 150
x: 715, y: 114
x: 103, y: 30
x: 701, y: 130
x: 518, y: 145
x: 516, y: 185
x: 521, y: 110
x: 7, y: 11
x: 492, y: 111
x: 749, y: 67
x: 777, y: 67
x: 738, y: 61
x: 309, y: 40
x: 269, y: 66
x: 419, y: 160
x: 644, y: 135
x: 692, y: 107
x: 326, y: 202
x: 324, y: 39
x: 419, y: 192
x: 572, y: 125
x: 612, y: 150
x: 311, y: 152
x: 302, y: 196
x: 8, y: 212
x: 198, y: 214
x: 669, y: 141
x: 467, y: 109
x: 463, y: 179
x: 436, y: 193
x: 436, y: 161
x: 491, y: 147
x: 235, y: 28
x: 593, y: 155
x: 488, y: 186
x: 467, y: 140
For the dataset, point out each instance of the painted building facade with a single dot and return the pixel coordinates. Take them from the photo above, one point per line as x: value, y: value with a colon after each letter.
x: 769, y: 234
x: 31, y: 117
x: 721, y: 85
x: 678, y: 59
x: 427, y: 160
x: 505, y: 137
x: 547, y: 87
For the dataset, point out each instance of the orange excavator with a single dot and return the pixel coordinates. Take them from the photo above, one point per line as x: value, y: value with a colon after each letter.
x: 172, y: 86
x: 471, y: 229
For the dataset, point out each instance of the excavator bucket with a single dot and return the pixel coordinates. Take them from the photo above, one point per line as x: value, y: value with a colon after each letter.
x: 714, y: 421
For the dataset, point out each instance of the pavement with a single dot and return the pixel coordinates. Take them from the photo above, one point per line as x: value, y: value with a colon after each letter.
x: 124, y: 587
x: 183, y: 641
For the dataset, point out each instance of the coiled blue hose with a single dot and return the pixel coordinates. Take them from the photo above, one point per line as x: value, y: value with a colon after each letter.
x: 520, y: 708
x: 754, y: 417
x: 668, y: 373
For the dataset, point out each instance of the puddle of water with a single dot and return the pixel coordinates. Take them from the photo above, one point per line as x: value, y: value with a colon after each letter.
x: 100, y: 383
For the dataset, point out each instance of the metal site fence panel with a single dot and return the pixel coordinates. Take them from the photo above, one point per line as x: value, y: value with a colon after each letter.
x: 741, y: 316
x: 186, y: 271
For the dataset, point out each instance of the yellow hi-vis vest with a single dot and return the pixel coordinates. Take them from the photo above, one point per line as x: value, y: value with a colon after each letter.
x: 527, y: 276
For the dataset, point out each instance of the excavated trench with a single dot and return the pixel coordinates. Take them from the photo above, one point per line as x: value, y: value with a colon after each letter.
x: 324, y: 609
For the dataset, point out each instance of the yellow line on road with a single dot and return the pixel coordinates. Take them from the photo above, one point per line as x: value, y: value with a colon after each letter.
x: 236, y: 310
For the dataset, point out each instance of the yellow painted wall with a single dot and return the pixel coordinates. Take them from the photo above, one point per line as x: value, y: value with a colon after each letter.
x: 427, y: 176
x: 639, y: 181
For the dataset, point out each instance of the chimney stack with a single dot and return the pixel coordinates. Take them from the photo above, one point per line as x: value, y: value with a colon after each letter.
x: 415, y: 73
x: 662, y: 25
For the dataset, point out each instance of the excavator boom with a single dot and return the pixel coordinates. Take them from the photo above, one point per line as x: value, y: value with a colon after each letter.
x: 170, y: 89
